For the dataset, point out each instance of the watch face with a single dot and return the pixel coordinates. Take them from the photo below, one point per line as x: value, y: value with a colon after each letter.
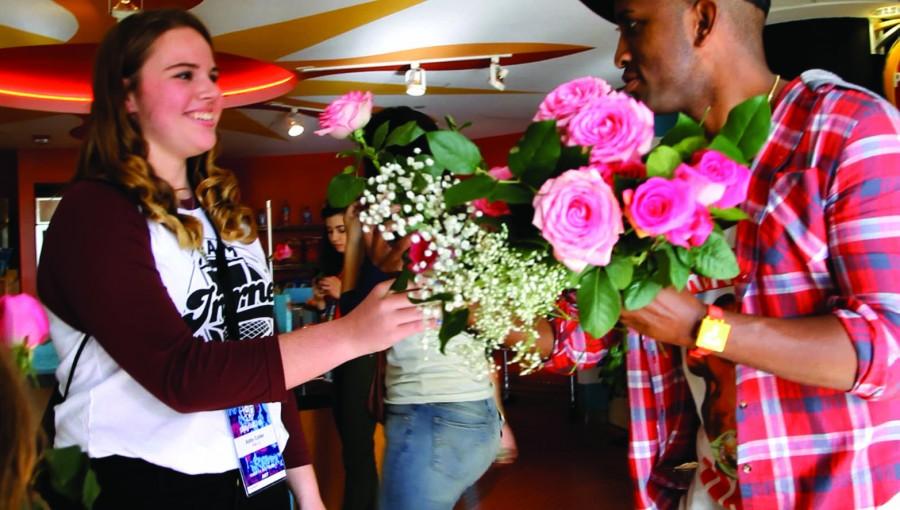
x: 713, y: 334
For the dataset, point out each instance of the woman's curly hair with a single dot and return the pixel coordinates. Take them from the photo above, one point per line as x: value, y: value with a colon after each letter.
x: 115, y: 150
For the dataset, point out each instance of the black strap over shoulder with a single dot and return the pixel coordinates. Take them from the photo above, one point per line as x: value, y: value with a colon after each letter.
x: 48, y: 420
x: 223, y: 280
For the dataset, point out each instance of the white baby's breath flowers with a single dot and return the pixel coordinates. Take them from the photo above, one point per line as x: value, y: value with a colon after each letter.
x: 509, y: 289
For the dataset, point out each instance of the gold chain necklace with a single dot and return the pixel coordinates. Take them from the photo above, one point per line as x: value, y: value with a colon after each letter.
x: 774, y: 87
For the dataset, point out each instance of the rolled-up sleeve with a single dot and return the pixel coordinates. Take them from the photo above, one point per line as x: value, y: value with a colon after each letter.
x: 863, y: 217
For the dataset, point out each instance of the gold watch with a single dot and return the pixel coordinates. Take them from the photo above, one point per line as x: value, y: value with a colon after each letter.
x: 713, y: 333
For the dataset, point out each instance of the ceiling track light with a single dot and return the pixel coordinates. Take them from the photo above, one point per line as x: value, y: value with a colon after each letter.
x: 124, y: 8
x: 497, y: 74
x: 295, y: 127
x: 415, y: 80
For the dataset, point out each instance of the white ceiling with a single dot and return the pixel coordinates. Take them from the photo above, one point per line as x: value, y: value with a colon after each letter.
x: 419, y: 25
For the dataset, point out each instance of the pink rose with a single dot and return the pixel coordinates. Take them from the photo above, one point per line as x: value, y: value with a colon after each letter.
x: 22, y: 321
x: 659, y: 205
x: 346, y: 114
x: 567, y: 99
x: 421, y: 256
x: 283, y: 251
x: 695, y: 231
x: 717, y: 180
x: 578, y: 214
x: 498, y: 207
x: 616, y: 127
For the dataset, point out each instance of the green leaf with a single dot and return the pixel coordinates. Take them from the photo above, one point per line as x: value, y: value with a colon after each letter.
x: 662, y: 162
x: 380, y: 133
x: 349, y: 154
x: 730, y: 214
x: 402, y: 280
x: 715, y: 259
x: 534, y: 158
x: 344, y: 189
x: 620, y: 270
x: 404, y: 135
x: 512, y: 193
x: 477, y: 186
x: 687, y: 147
x: 454, y: 151
x: 685, y: 256
x: 349, y: 169
x: 678, y: 272
x: 90, y: 489
x: 685, y: 127
x: 598, y: 300
x: 727, y: 147
x: 748, y: 125
x: 572, y: 157
x: 641, y: 293
x: 68, y: 469
x: 453, y: 324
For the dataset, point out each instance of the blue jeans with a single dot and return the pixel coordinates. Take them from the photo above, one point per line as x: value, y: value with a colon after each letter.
x: 435, y: 451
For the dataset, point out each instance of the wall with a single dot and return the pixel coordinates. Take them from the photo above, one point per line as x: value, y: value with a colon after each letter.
x: 37, y: 166
x: 302, y: 180
x: 839, y: 45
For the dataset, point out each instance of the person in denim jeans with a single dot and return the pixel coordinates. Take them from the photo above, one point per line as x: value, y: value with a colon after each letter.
x: 442, y: 426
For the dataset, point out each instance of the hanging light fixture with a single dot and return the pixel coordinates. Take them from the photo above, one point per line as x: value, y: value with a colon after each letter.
x: 497, y: 74
x: 295, y: 127
x: 415, y: 80
x: 124, y: 8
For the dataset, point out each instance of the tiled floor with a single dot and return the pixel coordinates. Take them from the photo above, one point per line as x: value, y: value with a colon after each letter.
x: 565, y: 461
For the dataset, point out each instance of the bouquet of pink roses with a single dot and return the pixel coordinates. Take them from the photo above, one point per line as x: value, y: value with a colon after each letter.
x: 586, y: 201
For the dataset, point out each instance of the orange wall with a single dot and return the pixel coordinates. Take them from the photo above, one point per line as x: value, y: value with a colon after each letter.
x: 37, y: 166
x: 300, y: 180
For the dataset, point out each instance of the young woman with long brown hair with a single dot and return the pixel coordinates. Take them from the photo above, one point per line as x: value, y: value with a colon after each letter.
x: 130, y: 268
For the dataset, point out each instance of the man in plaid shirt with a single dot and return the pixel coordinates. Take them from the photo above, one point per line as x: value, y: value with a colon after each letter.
x: 800, y: 408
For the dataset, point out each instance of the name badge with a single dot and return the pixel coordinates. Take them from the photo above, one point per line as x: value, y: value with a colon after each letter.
x: 256, y: 446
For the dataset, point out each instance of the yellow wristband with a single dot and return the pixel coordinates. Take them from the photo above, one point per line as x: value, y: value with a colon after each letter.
x: 713, y: 334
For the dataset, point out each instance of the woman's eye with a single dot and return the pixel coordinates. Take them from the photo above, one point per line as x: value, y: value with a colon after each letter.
x: 214, y: 77
x: 185, y: 75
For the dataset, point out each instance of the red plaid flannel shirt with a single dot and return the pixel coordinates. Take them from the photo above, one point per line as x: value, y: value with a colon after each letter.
x: 824, y: 237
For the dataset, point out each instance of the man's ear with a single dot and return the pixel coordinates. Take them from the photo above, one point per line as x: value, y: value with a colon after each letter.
x: 705, y: 15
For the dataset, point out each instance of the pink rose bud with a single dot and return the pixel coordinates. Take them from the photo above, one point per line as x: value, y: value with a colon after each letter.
x: 659, y: 205
x: 694, y: 232
x: 346, y: 114
x: 421, y: 256
x: 567, y: 99
x: 283, y: 251
x: 616, y: 127
x: 22, y: 321
x: 718, y: 180
x: 578, y: 214
x: 494, y: 208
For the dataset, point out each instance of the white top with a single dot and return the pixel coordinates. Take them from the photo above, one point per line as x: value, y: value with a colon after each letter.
x: 417, y: 372
x: 108, y: 413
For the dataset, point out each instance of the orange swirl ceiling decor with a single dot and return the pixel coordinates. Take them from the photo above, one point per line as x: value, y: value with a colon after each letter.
x: 57, y: 78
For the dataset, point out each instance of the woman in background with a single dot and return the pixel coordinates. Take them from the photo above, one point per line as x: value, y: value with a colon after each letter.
x: 442, y: 425
x: 130, y: 270
x: 327, y: 286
